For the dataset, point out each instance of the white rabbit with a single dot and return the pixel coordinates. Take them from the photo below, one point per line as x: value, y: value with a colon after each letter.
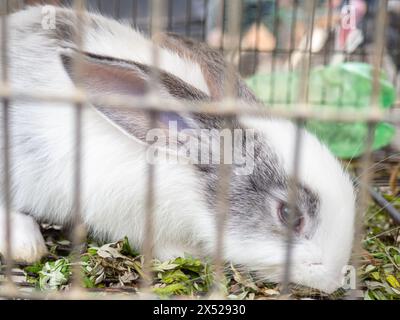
x: 118, y: 60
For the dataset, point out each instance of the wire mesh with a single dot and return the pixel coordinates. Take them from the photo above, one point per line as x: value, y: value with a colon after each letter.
x: 290, y: 50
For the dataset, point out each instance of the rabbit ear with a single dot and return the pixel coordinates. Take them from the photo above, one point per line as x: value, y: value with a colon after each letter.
x: 105, y: 75
x: 113, y: 76
x: 211, y: 62
x: 116, y: 76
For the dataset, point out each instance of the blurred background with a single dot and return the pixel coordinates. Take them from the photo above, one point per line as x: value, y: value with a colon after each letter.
x: 268, y: 26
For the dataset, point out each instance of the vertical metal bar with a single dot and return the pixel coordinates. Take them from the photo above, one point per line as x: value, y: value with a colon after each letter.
x: 292, y: 48
x: 149, y: 221
x: 292, y: 195
x: 205, y: 22
x: 293, y: 183
x: 99, y: 5
x: 232, y: 45
x: 117, y: 7
x: 274, y: 53
x: 188, y: 26
x: 257, y: 42
x: 381, y: 22
x: 6, y: 145
x: 134, y: 12
x: 79, y: 230
x: 364, y: 24
x: 329, y: 47
x: 343, y: 53
x: 170, y: 15
x: 366, y: 176
x: 240, y: 49
x: 221, y: 23
x: 310, y: 9
x: 225, y: 170
x: 158, y: 13
x: 222, y: 210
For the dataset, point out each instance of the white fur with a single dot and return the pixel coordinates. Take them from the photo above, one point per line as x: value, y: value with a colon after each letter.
x: 129, y: 45
x: 27, y: 241
x: 326, y: 254
x: 114, y: 166
x: 114, y: 169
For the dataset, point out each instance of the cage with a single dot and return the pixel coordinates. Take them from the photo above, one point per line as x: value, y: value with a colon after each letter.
x: 331, y: 66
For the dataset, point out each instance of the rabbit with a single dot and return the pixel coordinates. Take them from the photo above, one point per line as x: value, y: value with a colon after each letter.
x: 117, y: 59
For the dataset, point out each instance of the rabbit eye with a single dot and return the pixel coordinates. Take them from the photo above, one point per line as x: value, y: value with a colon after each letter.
x: 285, y: 213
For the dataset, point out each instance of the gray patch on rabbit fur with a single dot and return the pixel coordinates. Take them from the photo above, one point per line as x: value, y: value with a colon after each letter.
x: 211, y: 62
x: 268, y: 177
x: 249, y: 209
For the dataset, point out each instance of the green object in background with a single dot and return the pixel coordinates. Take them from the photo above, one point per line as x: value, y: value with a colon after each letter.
x: 345, y: 85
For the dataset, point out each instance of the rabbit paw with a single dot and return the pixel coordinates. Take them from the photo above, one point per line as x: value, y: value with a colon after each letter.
x: 27, y: 241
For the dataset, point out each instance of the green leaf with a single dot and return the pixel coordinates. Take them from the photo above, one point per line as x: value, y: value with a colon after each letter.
x: 393, y: 281
x: 88, y: 283
x: 379, y: 295
x: 339, y: 86
x: 34, y: 268
x: 368, y: 295
x: 347, y: 140
x: 176, y: 288
x: 375, y: 275
x: 369, y: 268
x: 92, y: 251
x: 174, y: 276
x: 127, y: 249
x: 164, y: 266
x: 54, y: 274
